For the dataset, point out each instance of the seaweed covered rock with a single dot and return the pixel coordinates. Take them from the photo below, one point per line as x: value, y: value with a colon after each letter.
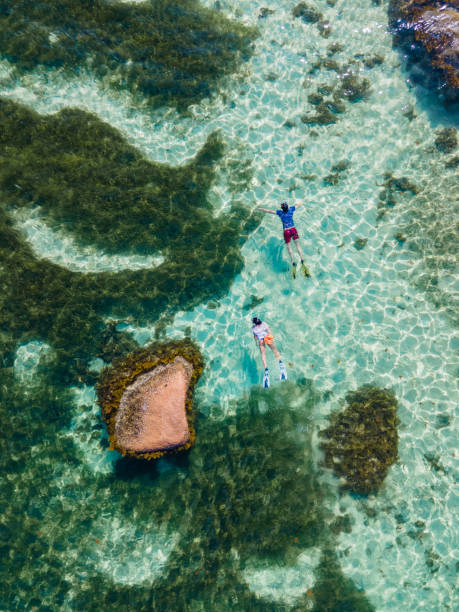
x: 429, y: 31
x: 307, y: 13
x: 146, y: 399
x: 446, y: 140
x: 361, y: 442
x: 329, y: 99
x: 169, y: 52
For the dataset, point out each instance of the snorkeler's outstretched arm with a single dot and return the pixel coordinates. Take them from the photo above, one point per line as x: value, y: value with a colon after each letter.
x: 272, y: 212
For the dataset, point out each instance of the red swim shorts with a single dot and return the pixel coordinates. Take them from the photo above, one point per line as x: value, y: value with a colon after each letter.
x: 290, y: 233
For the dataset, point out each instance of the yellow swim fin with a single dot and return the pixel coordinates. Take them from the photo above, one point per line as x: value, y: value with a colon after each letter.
x: 305, y: 270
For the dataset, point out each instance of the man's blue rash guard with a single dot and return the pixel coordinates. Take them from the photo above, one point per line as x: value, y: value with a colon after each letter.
x: 287, y: 217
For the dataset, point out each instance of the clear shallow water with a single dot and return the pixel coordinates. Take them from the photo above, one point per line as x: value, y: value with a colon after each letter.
x: 365, y: 315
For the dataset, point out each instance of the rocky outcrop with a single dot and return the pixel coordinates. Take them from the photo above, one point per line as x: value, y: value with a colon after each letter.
x: 361, y: 443
x: 430, y: 29
x: 146, y: 399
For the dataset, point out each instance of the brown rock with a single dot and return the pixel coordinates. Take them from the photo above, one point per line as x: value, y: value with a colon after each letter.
x: 152, y: 411
x: 438, y: 30
x: 146, y: 399
x: 434, y: 24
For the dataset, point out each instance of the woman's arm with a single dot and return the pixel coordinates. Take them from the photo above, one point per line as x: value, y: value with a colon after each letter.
x: 272, y: 212
x: 298, y: 205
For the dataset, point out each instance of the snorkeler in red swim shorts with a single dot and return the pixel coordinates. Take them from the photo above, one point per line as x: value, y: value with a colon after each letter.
x: 286, y: 215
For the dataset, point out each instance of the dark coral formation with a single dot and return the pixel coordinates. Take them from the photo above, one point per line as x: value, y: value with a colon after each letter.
x: 309, y: 14
x: 265, y: 12
x: 428, y: 30
x: 322, y: 116
x: 329, y: 98
x: 360, y: 243
x: 84, y: 176
x: 169, y: 52
x: 354, y: 88
x: 125, y: 370
x: 446, y: 140
x: 361, y: 442
x: 393, y: 185
x: 336, y: 172
x: 453, y: 162
x: 373, y: 60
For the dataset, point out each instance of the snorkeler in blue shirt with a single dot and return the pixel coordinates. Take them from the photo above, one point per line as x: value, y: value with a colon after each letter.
x: 286, y: 216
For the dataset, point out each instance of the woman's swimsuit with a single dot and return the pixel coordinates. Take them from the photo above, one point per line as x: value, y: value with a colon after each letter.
x: 260, y: 331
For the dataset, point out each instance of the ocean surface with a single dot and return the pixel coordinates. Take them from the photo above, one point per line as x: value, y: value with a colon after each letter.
x: 223, y: 528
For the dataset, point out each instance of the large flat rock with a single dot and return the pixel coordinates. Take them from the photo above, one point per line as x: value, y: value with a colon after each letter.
x: 152, y: 411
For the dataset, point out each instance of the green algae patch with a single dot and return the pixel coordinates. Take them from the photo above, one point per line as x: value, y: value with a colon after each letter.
x: 87, y: 180
x: 333, y: 592
x: 168, y: 52
x: 247, y: 488
x: 124, y: 373
x: 361, y: 443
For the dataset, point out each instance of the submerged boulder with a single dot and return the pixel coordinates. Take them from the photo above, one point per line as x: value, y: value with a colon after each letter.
x: 433, y: 27
x: 146, y: 399
x: 361, y: 442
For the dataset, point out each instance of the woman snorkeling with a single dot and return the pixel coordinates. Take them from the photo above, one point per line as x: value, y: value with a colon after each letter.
x: 262, y: 335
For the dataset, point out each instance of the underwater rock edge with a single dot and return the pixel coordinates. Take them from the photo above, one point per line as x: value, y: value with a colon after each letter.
x: 115, y: 378
x: 435, y: 26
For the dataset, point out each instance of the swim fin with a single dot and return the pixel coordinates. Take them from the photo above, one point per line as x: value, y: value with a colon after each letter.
x: 266, y: 379
x: 294, y: 270
x: 305, y: 270
x: 283, y: 371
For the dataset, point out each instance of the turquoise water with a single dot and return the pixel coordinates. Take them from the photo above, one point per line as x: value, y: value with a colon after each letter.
x: 249, y: 520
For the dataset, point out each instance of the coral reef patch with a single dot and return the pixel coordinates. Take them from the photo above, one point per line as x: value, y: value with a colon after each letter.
x: 393, y: 185
x: 446, y: 140
x: 428, y: 30
x: 309, y: 14
x: 336, y: 172
x: 361, y: 442
x: 85, y: 177
x: 146, y: 399
x: 329, y: 98
x: 168, y: 52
